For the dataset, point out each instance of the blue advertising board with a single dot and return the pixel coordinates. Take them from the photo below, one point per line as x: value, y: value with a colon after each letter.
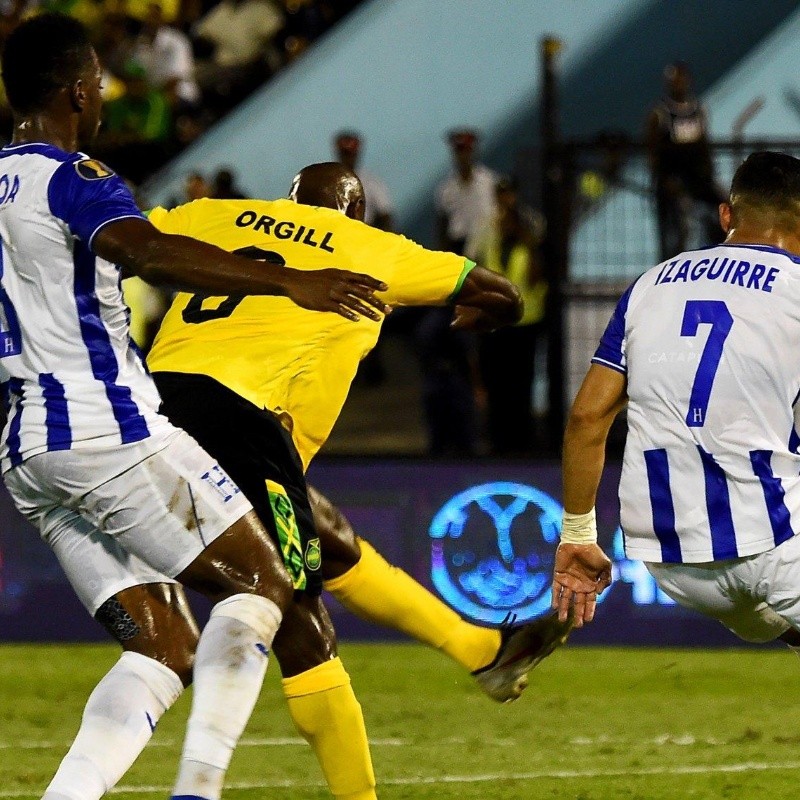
x: 481, y: 535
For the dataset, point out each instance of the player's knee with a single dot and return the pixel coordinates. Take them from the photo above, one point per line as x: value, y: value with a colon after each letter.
x: 180, y: 659
x: 306, y: 637
x: 252, y: 565
x: 118, y: 621
x: 154, y: 620
x: 276, y: 587
x: 760, y: 626
x: 348, y: 552
x: 174, y: 647
x: 272, y: 583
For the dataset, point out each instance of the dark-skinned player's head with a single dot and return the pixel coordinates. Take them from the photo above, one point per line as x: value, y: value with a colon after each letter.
x: 49, y: 66
x: 330, y: 185
x: 766, y: 191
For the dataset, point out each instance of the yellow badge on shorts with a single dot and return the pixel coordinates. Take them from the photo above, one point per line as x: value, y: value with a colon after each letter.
x: 289, y: 538
x: 91, y: 170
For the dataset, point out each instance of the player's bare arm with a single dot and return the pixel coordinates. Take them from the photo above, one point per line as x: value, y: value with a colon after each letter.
x: 582, y: 570
x: 183, y: 263
x: 486, y: 301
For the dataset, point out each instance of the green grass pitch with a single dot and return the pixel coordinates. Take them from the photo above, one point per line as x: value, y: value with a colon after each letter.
x: 595, y: 724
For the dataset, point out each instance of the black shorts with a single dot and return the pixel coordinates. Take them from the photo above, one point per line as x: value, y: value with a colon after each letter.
x: 259, y: 455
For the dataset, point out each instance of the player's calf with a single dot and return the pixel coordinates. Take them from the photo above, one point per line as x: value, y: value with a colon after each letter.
x: 155, y: 620
x: 242, y: 568
x: 118, y: 721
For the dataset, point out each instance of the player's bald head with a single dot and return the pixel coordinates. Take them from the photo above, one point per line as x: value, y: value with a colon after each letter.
x: 330, y: 185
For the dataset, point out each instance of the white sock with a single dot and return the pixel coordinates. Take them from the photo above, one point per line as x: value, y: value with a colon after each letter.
x: 118, y: 721
x: 229, y: 668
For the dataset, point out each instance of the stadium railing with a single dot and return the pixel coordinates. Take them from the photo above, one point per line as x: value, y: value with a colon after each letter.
x: 606, y: 235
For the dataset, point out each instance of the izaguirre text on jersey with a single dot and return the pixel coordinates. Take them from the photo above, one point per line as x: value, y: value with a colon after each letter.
x: 724, y: 270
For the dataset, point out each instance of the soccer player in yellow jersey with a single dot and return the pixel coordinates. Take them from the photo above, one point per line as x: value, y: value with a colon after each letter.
x: 234, y: 357
x: 260, y: 387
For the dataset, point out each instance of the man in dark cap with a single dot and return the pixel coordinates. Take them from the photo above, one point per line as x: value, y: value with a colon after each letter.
x: 682, y: 167
x: 379, y: 209
x: 465, y: 200
x: 465, y: 203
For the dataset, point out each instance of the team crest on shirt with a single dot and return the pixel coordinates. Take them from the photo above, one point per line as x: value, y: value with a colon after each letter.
x: 313, y: 555
x: 91, y: 170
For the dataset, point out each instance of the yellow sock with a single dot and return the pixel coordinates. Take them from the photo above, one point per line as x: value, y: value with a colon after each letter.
x: 328, y: 716
x: 376, y: 591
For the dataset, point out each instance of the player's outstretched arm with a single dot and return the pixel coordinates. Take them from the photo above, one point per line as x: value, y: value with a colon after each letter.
x: 182, y: 263
x: 486, y: 301
x: 580, y: 573
x: 582, y: 570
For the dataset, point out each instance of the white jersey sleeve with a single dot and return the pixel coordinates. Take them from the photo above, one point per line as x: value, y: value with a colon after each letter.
x: 710, y: 344
x: 71, y: 375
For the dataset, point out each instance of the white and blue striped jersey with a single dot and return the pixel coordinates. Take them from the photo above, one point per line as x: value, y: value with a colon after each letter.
x: 71, y: 376
x: 710, y: 344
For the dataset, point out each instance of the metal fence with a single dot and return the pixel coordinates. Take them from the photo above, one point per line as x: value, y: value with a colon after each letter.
x: 610, y: 235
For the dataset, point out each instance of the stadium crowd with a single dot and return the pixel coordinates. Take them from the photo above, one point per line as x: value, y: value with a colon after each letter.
x: 171, y: 68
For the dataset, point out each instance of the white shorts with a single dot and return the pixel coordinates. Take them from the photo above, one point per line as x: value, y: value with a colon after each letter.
x: 757, y: 597
x: 121, y: 517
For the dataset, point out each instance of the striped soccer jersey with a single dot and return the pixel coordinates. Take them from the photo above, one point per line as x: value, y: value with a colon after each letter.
x: 71, y: 377
x: 710, y: 344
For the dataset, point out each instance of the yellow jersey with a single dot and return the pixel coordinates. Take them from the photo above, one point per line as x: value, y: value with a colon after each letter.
x: 297, y: 363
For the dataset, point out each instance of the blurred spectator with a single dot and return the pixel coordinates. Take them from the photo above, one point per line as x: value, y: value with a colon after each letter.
x: 347, y: 147
x: 240, y: 35
x: 166, y: 55
x: 115, y: 41
x: 379, y: 210
x: 448, y: 363
x: 147, y: 305
x: 306, y: 20
x: 224, y: 186
x: 197, y: 187
x: 8, y: 22
x: 136, y: 138
x: 681, y: 166
x: 465, y: 200
x: 140, y: 9
x: 601, y: 170
x: 509, y: 245
x: 89, y: 12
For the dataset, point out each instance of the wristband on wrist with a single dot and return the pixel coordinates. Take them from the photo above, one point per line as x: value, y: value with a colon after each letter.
x: 579, y: 528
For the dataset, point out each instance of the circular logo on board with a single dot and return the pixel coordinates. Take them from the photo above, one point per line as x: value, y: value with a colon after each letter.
x: 492, y: 549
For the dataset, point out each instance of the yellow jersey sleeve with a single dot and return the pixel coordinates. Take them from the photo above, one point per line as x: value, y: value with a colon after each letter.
x: 176, y: 220
x: 421, y: 277
x: 295, y: 362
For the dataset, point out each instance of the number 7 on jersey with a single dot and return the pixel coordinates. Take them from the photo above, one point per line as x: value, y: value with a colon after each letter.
x: 716, y: 314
